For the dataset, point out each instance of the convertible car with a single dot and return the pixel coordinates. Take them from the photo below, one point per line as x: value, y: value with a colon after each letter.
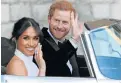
x: 101, y: 62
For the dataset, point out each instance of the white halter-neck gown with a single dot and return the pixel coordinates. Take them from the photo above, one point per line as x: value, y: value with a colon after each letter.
x: 31, y: 67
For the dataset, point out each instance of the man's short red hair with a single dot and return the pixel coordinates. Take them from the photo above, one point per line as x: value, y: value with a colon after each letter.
x: 61, y: 5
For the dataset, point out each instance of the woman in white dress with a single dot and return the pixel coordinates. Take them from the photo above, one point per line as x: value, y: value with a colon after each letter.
x: 27, y: 34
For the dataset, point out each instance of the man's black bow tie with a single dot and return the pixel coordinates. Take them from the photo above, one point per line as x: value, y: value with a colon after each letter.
x: 60, y: 44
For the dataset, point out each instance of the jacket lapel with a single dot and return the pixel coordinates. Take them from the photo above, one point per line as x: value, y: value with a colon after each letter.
x: 49, y: 39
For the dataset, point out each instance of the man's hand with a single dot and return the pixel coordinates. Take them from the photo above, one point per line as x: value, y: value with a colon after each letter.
x: 76, y: 27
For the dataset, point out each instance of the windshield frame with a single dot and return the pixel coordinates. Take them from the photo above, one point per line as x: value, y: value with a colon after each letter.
x: 107, y: 29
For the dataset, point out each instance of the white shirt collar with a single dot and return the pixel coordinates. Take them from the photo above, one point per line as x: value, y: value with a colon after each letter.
x: 56, y: 40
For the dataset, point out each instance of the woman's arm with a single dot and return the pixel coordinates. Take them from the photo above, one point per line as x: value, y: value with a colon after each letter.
x: 16, y: 67
x: 40, y: 61
x: 42, y: 68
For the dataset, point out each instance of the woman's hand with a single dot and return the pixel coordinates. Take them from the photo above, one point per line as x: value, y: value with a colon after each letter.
x: 40, y: 61
x: 76, y: 27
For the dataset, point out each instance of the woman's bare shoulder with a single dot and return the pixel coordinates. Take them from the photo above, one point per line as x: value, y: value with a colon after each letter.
x: 16, y: 67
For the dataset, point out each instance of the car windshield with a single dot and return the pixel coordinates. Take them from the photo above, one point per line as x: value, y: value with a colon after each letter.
x: 106, y: 42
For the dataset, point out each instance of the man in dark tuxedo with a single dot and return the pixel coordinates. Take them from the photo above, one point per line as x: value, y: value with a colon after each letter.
x: 57, y: 50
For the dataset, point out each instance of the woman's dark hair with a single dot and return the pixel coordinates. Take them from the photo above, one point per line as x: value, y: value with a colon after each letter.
x: 22, y: 24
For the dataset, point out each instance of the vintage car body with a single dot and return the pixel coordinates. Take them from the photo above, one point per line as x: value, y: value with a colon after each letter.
x: 101, y: 62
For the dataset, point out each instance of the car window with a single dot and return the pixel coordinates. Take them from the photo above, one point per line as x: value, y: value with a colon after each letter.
x: 106, y: 43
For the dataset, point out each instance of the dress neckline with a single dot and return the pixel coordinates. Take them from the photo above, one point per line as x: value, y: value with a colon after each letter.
x: 20, y: 54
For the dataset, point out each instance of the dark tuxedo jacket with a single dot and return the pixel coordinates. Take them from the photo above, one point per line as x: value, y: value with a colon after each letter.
x: 55, y: 56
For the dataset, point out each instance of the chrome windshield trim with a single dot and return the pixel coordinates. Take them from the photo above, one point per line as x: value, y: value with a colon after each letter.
x: 90, y: 57
x: 86, y: 56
